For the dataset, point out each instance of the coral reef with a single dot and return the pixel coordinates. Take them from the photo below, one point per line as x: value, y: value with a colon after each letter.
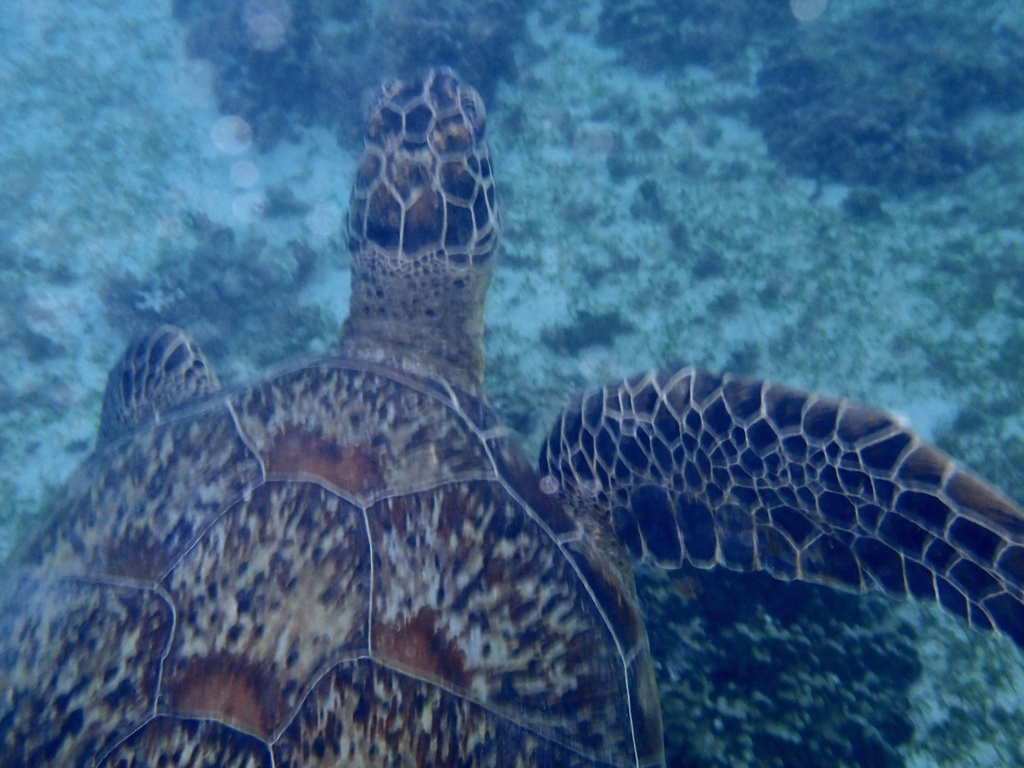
x: 875, y: 97
x: 474, y: 38
x: 655, y: 34
x: 231, y: 293
x: 281, y: 65
x: 756, y: 672
x: 588, y: 329
x: 879, y: 98
x: 284, y: 64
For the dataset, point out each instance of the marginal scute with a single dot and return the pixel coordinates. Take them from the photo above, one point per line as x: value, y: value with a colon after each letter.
x: 743, y: 398
x: 884, y: 454
x: 925, y: 509
x: 653, y: 511
x: 973, y: 580
x: 646, y: 712
x: 923, y: 466
x: 859, y: 423
x: 783, y: 408
x: 61, y: 699
x: 697, y: 524
x: 969, y: 492
x: 828, y: 561
x: 196, y: 742
x: 920, y: 581
x: 973, y: 538
x: 513, y: 468
x: 883, y: 562
x: 1005, y: 612
x: 951, y: 599
x: 133, y: 508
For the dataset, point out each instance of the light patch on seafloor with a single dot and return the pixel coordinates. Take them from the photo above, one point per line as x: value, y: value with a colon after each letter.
x: 266, y: 23
x: 232, y: 135
x: 325, y: 219
x: 245, y: 174
x: 247, y: 208
x: 807, y: 10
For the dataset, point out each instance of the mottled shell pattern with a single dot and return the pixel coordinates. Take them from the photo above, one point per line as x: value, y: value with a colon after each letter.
x: 345, y: 563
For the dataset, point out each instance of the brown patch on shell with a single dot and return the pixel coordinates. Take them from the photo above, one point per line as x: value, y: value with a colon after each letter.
x: 418, y: 645
x: 354, y: 468
x: 227, y: 690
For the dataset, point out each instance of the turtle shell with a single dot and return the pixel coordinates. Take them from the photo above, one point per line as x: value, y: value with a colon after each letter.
x: 339, y: 565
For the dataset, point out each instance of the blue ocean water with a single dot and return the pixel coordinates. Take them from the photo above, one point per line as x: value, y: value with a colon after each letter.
x: 826, y: 194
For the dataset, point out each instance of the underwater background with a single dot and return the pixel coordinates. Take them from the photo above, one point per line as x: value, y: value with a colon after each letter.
x: 827, y: 194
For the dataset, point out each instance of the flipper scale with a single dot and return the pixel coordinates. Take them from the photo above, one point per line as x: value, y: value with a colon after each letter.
x: 766, y: 477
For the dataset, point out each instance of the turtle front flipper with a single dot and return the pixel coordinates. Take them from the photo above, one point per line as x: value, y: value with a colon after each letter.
x: 159, y: 370
x: 712, y: 469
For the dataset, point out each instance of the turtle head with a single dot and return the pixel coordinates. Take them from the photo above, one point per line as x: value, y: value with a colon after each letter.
x: 423, y: 230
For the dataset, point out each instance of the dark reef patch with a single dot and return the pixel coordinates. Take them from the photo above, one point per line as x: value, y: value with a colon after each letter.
x: 879, y: 99
x: 753, y: 671
x: 231, y: 293
x: 655, y: 34
x: 588, y: 329
x: 285, y: 64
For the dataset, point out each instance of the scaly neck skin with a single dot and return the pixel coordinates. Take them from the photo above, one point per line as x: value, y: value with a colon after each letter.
x: 434, y: 350
x: 423, y: 232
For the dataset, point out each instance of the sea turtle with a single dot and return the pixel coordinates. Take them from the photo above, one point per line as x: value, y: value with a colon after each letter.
x: 349, y: 562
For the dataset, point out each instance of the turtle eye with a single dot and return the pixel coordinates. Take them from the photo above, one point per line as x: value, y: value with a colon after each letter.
x: 473, y: 109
